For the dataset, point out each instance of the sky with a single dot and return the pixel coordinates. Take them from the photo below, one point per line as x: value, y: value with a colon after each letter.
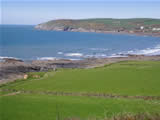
x: 39, y: 11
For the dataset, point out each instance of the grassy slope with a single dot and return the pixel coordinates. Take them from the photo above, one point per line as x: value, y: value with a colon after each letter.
x: 125, y: 78
x: 106, y: 23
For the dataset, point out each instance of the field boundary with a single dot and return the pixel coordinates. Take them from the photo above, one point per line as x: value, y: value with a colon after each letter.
x: 99, y: 95
x: 11, y: 94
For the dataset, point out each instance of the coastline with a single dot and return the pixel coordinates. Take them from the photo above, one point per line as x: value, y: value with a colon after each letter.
x: 105, y: 32
x: 119, y: 33
x: 132, y: 26
x: 13, y: 69
x: 137, y: 34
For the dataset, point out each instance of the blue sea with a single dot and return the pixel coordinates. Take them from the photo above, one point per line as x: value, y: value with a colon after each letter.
x: 25, y: 42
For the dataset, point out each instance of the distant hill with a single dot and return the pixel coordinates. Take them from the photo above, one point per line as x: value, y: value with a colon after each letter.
x: 136, y: 25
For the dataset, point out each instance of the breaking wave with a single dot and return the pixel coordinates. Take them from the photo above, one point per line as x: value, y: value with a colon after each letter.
x: 74, y: 54
x: 5, y: 57
x: 147, y: 51
x: 59, y: 53
x: 1, y: 57
x: 47, y: 58
x: 80, y: 55
x: 96, y: 56
x: 99, y: 49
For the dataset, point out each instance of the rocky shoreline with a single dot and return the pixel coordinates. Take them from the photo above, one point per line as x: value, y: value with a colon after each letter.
x: 12, y: 69
x: 39, y: 27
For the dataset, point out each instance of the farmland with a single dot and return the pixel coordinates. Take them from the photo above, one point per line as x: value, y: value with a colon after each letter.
x: 128, y: 87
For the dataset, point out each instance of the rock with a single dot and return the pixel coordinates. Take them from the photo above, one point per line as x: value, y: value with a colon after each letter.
x: 25, y: 76
x: 8, y: 70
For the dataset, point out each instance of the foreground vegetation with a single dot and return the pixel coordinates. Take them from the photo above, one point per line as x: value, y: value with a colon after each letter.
x: 127, y: 88
x: 42, y: 107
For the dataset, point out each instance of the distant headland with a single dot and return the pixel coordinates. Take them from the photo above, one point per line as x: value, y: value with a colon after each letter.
x: 138, y: 26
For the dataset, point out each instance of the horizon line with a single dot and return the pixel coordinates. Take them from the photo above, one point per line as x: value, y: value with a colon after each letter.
x: 79, y: 19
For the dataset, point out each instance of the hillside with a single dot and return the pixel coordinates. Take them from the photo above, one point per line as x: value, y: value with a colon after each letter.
x: 133, y: 26
x: 127, y: 90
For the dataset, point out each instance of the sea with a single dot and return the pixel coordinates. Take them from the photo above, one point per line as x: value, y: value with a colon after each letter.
x: 26, y: 43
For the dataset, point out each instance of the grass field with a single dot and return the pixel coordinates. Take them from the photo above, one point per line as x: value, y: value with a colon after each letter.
x: 42, y: 107
x: 33, y: 98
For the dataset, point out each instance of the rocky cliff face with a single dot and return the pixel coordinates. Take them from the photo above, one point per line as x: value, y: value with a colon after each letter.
x: 70, y: 25
x: 60, y: 28
x: 132, y: 26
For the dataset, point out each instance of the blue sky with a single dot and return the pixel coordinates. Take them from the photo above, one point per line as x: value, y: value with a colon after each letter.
x: 38, y: 11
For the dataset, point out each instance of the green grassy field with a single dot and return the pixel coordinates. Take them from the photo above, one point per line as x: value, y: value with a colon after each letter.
x: 124, y: 78
x: 42, y: 107
x: 127, y: 23
x: 128, y: 78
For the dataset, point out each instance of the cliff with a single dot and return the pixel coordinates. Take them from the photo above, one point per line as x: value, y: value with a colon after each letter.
x: 137, y: 25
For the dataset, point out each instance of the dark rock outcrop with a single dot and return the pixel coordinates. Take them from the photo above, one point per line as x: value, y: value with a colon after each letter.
x: 11, y: 69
